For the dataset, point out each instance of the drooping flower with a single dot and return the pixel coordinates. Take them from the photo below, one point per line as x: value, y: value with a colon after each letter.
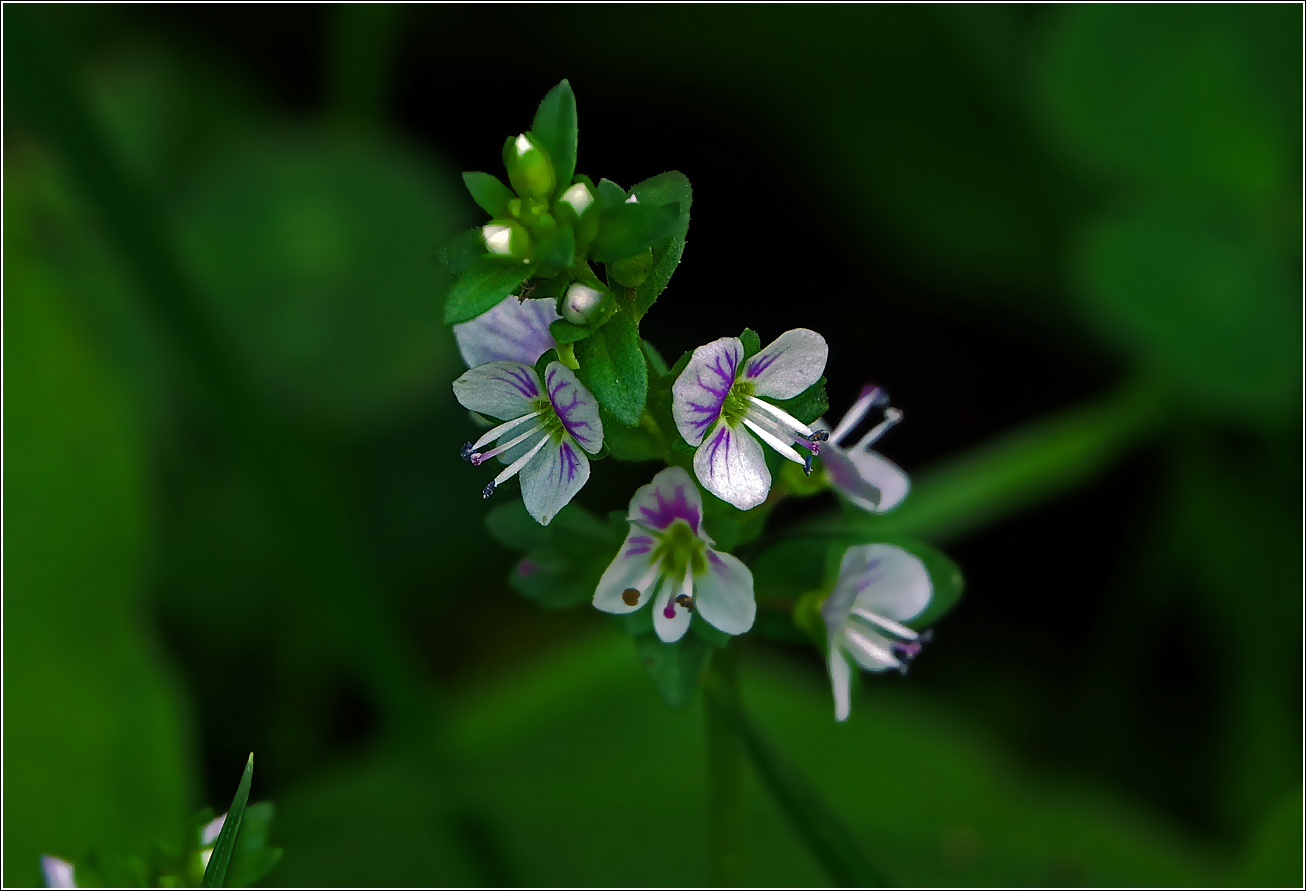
x: 514, y: 330
x: 668, y: 557
x: 870, y: 481
x: 552, y: 424
x: 719, y: 398
x: 880, y: 587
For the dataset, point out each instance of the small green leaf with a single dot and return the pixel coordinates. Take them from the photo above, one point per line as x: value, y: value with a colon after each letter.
x: 565, y: 332
x: 511, y: 526
x: 808, y: 405
x: 556, y: 130
x: 675, y: 668
x: 462, y: 252
x: 630, y: 228
x: 655, y: 360
x: 611, y: 195
x: 612, y: 367
x: 491, y: 195
x: 215, y: 873
x: 629, y: 443
x: 752, y: 343
x: 481, y: 288
x: 671, y: 188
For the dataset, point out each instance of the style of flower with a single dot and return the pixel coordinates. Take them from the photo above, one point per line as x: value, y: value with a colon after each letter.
x: 719, y: 398
x: 668, y: 557
x: 870, y: 481
x: 514, y: 330
x: 560, y: 420
x: 879, y: 588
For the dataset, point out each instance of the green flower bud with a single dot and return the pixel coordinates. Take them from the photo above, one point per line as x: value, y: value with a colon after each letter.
x: 578, y: 207
x: 581, y: 304
x: 529, y: 169
x: 506, y: 240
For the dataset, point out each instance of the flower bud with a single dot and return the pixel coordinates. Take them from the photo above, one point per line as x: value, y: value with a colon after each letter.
x: 506, y: 240
x: 581, y: 304
x: 578, y: 207
x: 529, y: 169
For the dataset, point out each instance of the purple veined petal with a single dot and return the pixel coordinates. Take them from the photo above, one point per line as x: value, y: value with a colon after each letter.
x: 870, y: 481
x: 731, y: 466
x: 671, y: 496
x: 576, y: 406
x: 788, y: 365
x: 57, y: 873
x: 840, y: 684
x: 552, y: 478
x: 699, y: 392
x: 884, y: 579
x: 512, y: 331
x: 633, y: 567
x: 670, y: 620
x: 503, y: 390
x: 871, y: 651
x: 724, y: 594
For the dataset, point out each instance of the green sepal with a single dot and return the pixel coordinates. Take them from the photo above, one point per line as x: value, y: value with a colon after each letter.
x: 612, y: 368
x: 627, y: 229
x: 676, y: 669
x: 481, y: 288
x: 565, y: 332
x: 752, y: 343
x: 489, y: 193
x: 555, y: 126
x: 610, y: 195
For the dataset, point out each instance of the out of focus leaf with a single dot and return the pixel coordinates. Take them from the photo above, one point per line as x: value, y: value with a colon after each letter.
x: 630, y: 443
x: 253, y: 859
x: 675, y: 668
x: 1273, y: 858
x: 511, y: 526
x: 664, y: 189
x: 808, y: 405
x: 215, y: 874
x: 563, y: 561
x: 612, y: 367
x: 481, y: 288
x: 491, y: 195
x: 555, y: 128
x: 629, y: 228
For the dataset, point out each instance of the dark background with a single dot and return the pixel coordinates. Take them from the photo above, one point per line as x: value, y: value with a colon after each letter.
x: 997, y: 213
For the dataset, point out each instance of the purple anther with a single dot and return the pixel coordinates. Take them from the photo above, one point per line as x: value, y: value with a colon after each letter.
x: 670, y: 611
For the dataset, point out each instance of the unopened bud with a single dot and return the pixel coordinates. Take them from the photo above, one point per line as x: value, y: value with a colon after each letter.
x: 581, y: 304
x: 505, y: 239
x: 529, y: 169
x: 578, y: 208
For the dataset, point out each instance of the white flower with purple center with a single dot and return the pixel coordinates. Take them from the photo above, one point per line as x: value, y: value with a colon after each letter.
x: 870, y: 481
x: 720, y: 398
x: 514, y: 330
x: 668, y: 557
x: 880, y: 588
x: 546, y: 430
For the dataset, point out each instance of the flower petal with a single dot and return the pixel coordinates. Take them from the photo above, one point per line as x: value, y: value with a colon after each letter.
x: 872, y: 651
x: 701, y: 389
x: 631, y: 568
x: 870, y: 481
x: 57, y: 873
x: 576, y: 406
x: 731, y: 466
x: 884, y: 579
x: 724, y: 594
x: 512, y: 331
x: 669, y: 620
x: 503, y: 390
x: 789, y: 365
x: 841, y: 684
x: 671, y: 496
x: 552, y: 478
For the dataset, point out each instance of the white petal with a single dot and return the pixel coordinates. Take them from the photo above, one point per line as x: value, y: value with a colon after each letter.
x: 671, y: 496
x: 870, y: 481
x: 884, y: 579
x: 884, y: 475
x: 57, y: 873
x: 841, y: 684
x: 512, y: 331
x: 724, y: 594
x: 697, y: 395
x: 503, y: 390
x: 631, y: 568
x: 731, y: 466
x: 209, y: 834
x: 576, y: 406
x: 552, y: 479
x: 789, y: 365
x: 673, y: 628
x: 872, y: 651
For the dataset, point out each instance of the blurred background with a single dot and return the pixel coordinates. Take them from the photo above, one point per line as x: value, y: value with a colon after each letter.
x: 1067, y: 240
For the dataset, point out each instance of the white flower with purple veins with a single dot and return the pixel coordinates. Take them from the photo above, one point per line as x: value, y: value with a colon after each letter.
x: 720, y: 398
x: 668, y: 557
x: 880, y: 587
x: 870, y: 481
x: 512, y: 331
x: 547, y: 429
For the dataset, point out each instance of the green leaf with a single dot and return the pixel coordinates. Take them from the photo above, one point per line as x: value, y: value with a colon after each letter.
x: 655, y: 360
x: 481, y: 288
x: 253, y: 859
x: 565, y: 332
x: 489, y: 193
x: 563, y: 561
x: 629, y: 443
x: 675, y: 668
x: 630, y: 228
x: 612, y: 367
x: 462, y: 252
x: 556, y: 130
x: 511, y: 526
x: 671, y: 188
x: 215, y: 873
x: 808, y: 405
x: 752, y: 343
x: 611, y: 196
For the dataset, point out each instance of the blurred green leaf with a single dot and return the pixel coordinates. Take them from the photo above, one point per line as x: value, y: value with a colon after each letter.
x: 566, y: 332
x: 611, y: 196
x: 215, y: 874
x: 808, y: 405
x: 1273, y: 858
x: 629, y: 228
x: 481, y: 288
x: 676, y: 669
x: 489, y: 193
x: 563, y: 561
x: 511, y: 526
x: 612, y: 367
x: 557, y: 251
x: 555, y: 128
x: 630, y: 443
x: 462, y: 252
x: 253, y: 859
x: 664, y: 189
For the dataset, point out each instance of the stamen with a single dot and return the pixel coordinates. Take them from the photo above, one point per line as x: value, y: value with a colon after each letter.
x: 479, y: 458
x: 492, y: 435
x: 515, y: 467
x: 686, y: 596
x: 467, y: 451
x: 488, y: 490
x: 789, y: 420
x: 630, y: 596
x: 870, y: 648
x: 891, y: 416
x: 887, y: 624
x: 775, y: 442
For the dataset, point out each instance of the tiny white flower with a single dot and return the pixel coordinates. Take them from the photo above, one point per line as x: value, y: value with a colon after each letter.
x: 549, y: 423
x: 868, y: 480
x: 719, y: 398
x: 880, y: 587
x: 512, y: 331
x: 668, y: 556
x: 57, y: 873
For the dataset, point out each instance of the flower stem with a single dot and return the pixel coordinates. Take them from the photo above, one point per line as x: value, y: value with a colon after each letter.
x: 724, y: 773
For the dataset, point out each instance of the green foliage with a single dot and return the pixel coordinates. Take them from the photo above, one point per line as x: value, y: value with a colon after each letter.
x: 482, y: 288
x: 627, y: 229
x: 665, y: 189
x: 612, y: 367
x: 491, y: 195
x: 676, y: 669
x: 253, y: 858
x: 555, y: 128
x: 563, y: 561
x: 215, y: 874
x: 752, y: 343
x: 808, y: 405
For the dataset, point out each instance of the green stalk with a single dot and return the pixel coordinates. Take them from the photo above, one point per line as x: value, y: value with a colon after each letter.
x: 724, y: 774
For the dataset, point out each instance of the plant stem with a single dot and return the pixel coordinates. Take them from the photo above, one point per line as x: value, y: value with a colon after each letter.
x: 724, y: 773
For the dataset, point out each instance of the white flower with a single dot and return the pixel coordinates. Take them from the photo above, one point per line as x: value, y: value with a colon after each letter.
x: 880, y: 587
x: 515, y: 330
x: 57, y: 873
x: 550, y: 425
x: 208, y: 838
x: 668, y: 553
x: 718, y: 399
x: 870, y: 481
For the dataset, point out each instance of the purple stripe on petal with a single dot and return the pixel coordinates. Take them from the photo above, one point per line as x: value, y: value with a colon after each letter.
x: 759, y: 364
x: 635, y: 551
x: 569, y: 462
x: 640, y: 540
x: 668, y: 511
x: 521, y: 380
x: 568, y: 402
x: 720, y: 445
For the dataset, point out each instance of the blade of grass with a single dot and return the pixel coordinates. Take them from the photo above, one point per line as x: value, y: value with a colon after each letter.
x: 216, y: 872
